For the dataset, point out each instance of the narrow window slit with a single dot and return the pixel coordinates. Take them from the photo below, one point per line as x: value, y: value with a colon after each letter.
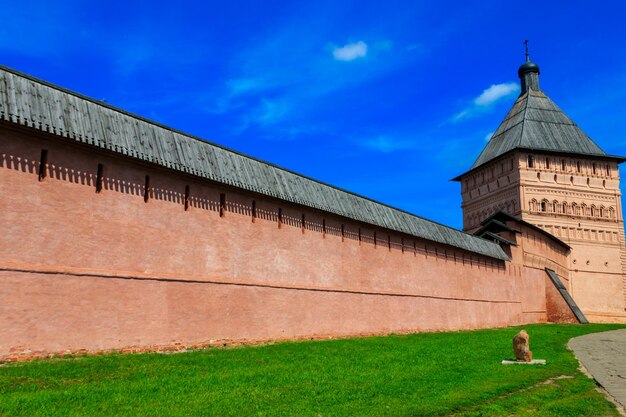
x: 253, y: 211
x: 186, y: 197
x: 222, y: 204
x: 280, y: 217
x: 360, y: 237
x: 324, y: 228
x: 43, y: 165
x: 99, y: 175
x: 343, y: 232
x: 389, y: 241
x: 303, y: 223
x: 375, y: 243
x: 402, y: 243
x: 146, y: 189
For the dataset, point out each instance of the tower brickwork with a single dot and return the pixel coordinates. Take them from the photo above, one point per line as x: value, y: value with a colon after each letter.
x: 578, y: 200
x: 492, y: 188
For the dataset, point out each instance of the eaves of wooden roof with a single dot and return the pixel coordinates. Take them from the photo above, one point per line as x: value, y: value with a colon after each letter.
x: 36, y: 104
x: 494, y: 221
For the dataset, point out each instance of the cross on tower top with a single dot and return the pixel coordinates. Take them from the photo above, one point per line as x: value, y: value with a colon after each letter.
x: 527, y: 54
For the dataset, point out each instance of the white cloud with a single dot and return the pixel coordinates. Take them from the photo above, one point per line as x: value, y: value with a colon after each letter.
x: 488, y: 136
x: 350, y: 52
x: 461, y: 115
x: 487, y: 99
x: 495, y: 93
x: 265, y: 85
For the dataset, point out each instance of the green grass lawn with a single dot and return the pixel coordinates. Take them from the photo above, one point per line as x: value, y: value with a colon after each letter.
x: 430, y: 374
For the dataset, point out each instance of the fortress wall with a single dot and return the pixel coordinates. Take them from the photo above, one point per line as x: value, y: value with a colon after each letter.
x: 58, y: 313
x: 81, y: 270
x: 596, y: 280
x: 596, y: 237
x: 538, y: 252
x: 600, y: 296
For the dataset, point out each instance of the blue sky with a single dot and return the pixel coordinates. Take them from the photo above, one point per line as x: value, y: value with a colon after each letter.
x: 388, y: 100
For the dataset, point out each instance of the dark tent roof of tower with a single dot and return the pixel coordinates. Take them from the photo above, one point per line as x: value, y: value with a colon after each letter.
x: 535, y: 123
x: 36, y: 104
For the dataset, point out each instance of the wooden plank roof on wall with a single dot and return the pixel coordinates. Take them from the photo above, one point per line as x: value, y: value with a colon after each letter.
x: 37, y: 104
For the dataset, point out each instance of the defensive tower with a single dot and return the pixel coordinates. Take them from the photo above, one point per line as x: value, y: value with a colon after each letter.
x: 541, y: 167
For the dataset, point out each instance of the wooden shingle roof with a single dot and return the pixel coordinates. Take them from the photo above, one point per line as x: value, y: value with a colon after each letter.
x: 536, y: 123
x: 36, y: 104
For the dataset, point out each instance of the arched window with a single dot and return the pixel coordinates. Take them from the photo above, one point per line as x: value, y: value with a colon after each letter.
x: 555, y: 206
x: 575, y: 209
x: 564, y: 208
x: 533, y: 205
x: 602, y: 211
x: 583, y: 210
x: 593, y: 211
x: 611, y: 213
x: 544, y: 206
x: 531, y: 161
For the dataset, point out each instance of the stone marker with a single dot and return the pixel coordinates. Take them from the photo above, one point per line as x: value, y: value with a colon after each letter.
x: 521, y: 347
x: 523, y: 355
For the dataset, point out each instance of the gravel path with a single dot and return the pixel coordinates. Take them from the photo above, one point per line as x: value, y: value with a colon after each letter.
x: 604, y: 356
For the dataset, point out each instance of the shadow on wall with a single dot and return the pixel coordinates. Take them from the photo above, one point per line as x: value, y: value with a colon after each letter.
x: 101, y: 181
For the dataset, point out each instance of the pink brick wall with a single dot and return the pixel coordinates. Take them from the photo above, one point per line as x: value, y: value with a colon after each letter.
x: 81, y: 270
